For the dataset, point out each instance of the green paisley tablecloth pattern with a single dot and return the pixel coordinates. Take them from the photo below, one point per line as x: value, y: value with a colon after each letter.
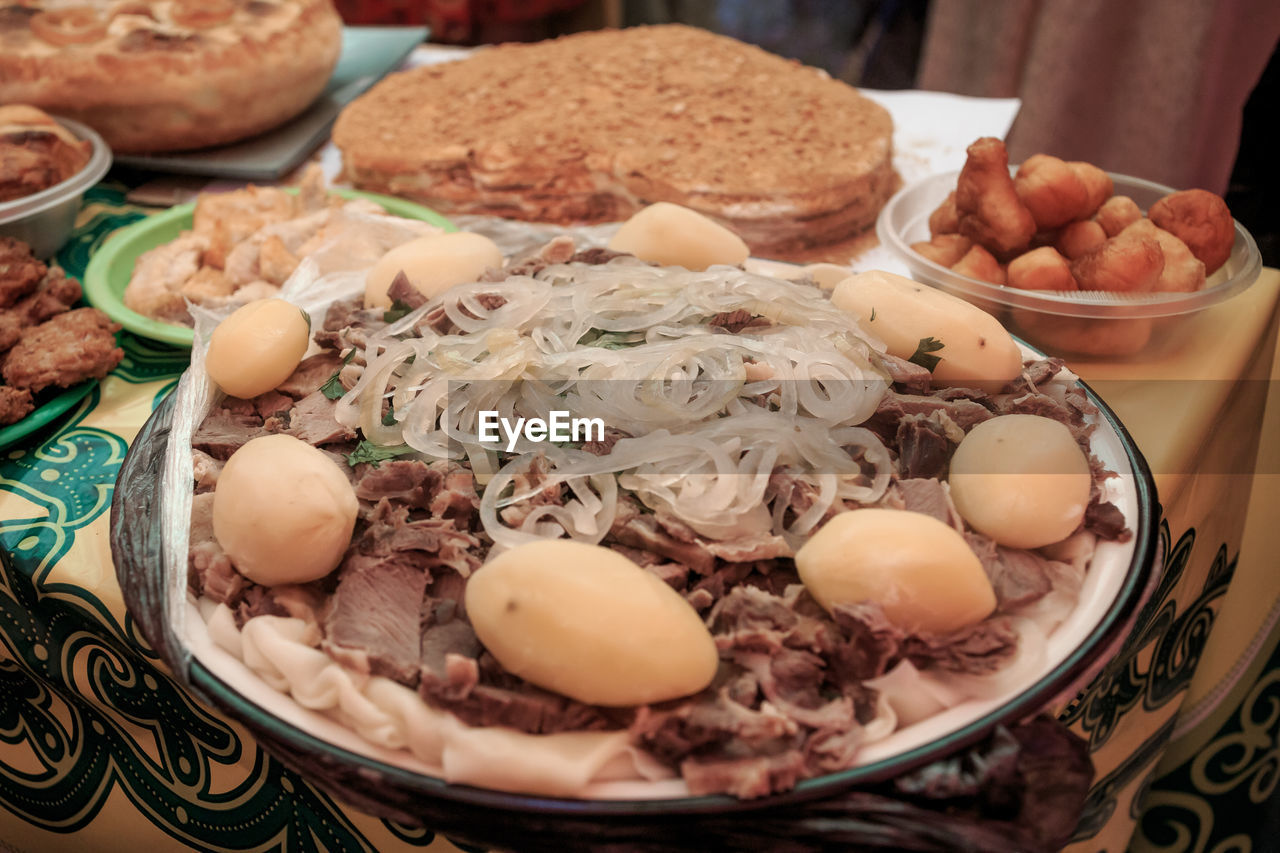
x: 101, y: 750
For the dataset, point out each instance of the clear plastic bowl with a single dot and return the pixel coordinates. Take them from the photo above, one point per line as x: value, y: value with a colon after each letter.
x: 44, y: 220
x: 1096, y: 323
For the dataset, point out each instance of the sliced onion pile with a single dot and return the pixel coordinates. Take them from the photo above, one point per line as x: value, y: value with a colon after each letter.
x: 711, y: 414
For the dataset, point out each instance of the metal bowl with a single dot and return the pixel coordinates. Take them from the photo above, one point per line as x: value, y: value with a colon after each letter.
x: 44, y: 220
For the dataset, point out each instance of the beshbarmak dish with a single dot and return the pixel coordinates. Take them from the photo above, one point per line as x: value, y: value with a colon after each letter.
x: 755, y: 430
x: 165, y: 75
x: 591, y: 127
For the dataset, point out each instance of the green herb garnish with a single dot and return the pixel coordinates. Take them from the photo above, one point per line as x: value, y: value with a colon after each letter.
x: 398, y: 309
x: 921, y: 355
x: 873, y: 315
x: 306, y: 318
x: 367, y: 451
x: 333, y: 388
x: 389, y: 419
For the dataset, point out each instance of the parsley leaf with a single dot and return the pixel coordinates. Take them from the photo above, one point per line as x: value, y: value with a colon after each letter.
x: 367, y: 451
x: 398, y: 309
x: 389, y: 419
x: 873, y: 315
x: 921, y: 355
x: 306, y: 318
x: 333, y: 388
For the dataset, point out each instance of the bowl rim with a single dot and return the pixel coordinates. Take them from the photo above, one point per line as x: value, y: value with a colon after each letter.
x: 100, y: 292
x: 1083, y: 304
x: 280, y: 736
x: 99, y: 162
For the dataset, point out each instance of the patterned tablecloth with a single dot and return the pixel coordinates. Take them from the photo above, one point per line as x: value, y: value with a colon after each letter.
x: 101, y: 750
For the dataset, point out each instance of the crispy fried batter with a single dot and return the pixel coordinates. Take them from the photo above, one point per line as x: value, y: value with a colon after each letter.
x: 1051, y: 190
x: 1097, y: 182
x: 1126, y: 263
x: 945, y: 219
x: 1117, y: 213
x: 20, y: 272
x: 63, y: 351
x: 980, y: 264
x: 1041, y: 269
x: 944, y: 249
x: 1080, y: 238
x: 1183, y: 272
x: 988, y: 206
x: 1201, y: 220
x: 15, y: 404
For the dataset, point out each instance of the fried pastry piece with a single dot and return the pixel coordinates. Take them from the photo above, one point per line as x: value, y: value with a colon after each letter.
x: 1126, y: 263
x: 1201, y: 220
x: 20, y: 271
x: 944, y: 249
x: 990, y: 212
x: 1117, y: 213
x: 1080, y: 238
x: 945, y: 220
x: 1041, y: 269
x: 1183, y: 272
x: 15, y: 404
x: 1051, y: 190
x: 63, y: 351
x: 1097, y: 183
x: 980, y: 264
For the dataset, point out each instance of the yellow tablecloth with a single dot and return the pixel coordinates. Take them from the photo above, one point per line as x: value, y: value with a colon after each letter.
x: 100, y: 751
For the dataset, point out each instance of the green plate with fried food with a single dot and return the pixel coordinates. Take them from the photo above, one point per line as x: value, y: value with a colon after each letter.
x: 112, y: 267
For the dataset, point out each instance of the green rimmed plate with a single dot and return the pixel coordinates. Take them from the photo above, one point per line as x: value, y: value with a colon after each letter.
x: 111, y: 267
x: 45, y: 413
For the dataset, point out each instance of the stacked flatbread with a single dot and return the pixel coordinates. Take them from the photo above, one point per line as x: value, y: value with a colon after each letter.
x: 590, y: 127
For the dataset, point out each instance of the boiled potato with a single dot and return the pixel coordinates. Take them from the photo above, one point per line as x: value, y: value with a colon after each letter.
x: 671, y: 235
x: 919, y: 570
x: 432, y: 264
x: 257, y: 347
x: 586, y: 622
x: 283, y: 511
x: 1022, y: 480
x: 976, y: 351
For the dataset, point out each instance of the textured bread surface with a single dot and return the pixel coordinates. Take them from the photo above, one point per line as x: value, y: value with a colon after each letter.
x: 589, y: 127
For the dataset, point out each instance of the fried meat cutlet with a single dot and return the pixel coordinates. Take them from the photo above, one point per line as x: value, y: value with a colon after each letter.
x: 63, y: 351
x: 20, y: 271
x: 54, y: 294
x: 15, y: 404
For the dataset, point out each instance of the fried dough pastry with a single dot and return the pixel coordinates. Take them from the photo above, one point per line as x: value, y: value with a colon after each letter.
x: 980, y: 264
x: 1117, y: 213
x: 944, y: 249
x: 1183, y: 272
x: 1201, y: 220
x: 1126, y: 263
x: 945, y: 220
x: 990, y: 212
x: 1096, y: 182
x: 1051, y: 190
x: 1041, y: 269
x: 67, y: 349
x: 1080, y: 238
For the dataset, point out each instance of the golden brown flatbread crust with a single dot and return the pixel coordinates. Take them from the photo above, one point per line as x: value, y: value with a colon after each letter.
x: 589, y: 127
x: 163, y: 75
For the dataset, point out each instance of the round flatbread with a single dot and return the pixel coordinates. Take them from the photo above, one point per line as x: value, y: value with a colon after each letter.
x: 165, y: 75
